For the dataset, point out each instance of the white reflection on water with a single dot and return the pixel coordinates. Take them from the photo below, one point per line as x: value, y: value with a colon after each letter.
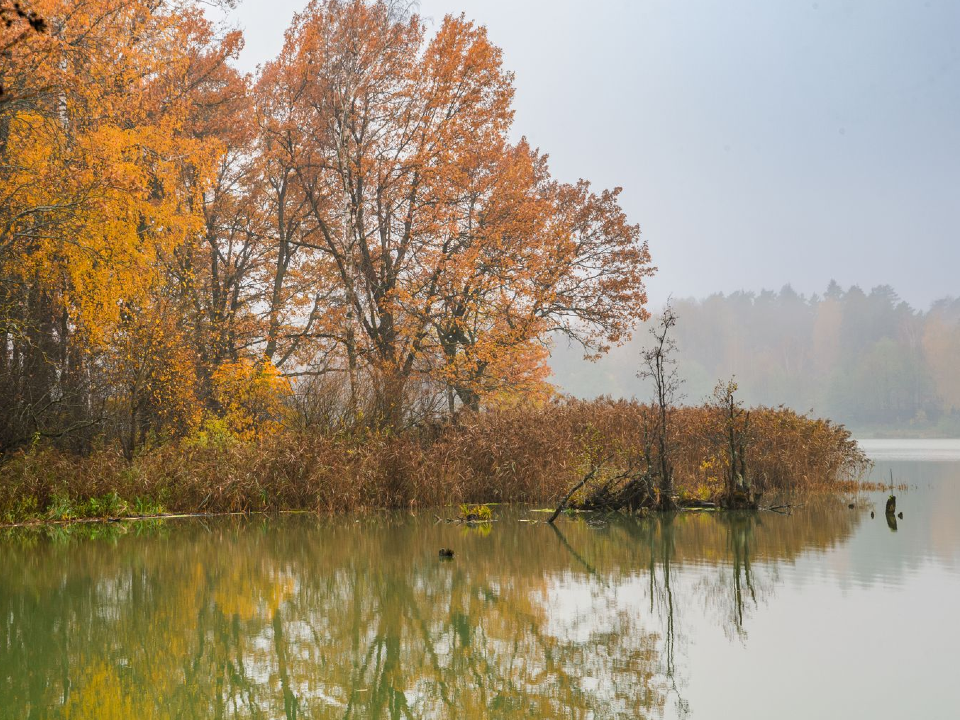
x: 927, y: 450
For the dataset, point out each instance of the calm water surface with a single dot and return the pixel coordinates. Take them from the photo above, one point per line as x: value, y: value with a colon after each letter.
x: 825, y: 613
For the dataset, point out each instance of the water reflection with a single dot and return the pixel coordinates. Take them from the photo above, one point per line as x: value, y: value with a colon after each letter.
x: 301, y: 617
x: 891, y: 521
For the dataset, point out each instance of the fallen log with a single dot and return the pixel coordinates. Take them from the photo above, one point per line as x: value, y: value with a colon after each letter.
x: 586, y: 478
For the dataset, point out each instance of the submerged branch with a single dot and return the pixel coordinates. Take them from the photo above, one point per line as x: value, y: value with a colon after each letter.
x: 586, y: 478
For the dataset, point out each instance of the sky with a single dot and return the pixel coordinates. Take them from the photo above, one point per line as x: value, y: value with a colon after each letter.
x: 757, y: 142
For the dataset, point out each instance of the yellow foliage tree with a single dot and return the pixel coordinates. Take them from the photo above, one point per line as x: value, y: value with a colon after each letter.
x: 251, y: 397
x: 100, y: 181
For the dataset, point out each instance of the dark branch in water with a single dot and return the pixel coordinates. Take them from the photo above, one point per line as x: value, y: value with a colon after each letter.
x: 782, y: 509
x: 586, y: 478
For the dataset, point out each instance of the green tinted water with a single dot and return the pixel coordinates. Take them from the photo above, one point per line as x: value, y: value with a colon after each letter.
x: 824, y: 613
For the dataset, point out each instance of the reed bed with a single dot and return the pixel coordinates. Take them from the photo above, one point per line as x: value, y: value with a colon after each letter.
x: 517, y: 455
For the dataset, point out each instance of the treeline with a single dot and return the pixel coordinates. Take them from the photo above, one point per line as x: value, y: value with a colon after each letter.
x: 347, y: 237
x: 867, y: 359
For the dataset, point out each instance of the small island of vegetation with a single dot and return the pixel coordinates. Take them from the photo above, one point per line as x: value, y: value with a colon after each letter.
x: 328, y: 286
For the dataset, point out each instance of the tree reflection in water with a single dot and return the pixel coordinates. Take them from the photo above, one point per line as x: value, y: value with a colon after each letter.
x: 304, y: 618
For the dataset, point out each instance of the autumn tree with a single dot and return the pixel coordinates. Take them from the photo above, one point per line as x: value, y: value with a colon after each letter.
x: 214, y: 267
x: 941, y: 346
x: 150, y: 375
x: 17, y: 23
x: 98, y: 183
x: 355, y: 210
x: 452, y: 251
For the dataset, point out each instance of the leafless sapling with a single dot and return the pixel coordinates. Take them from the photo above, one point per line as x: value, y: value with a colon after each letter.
x: 659, y: 365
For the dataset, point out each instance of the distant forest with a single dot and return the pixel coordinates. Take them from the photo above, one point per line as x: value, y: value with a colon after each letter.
x: 867, y: 359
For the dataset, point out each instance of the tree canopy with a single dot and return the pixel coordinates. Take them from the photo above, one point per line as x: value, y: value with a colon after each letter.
x: 178, y: 238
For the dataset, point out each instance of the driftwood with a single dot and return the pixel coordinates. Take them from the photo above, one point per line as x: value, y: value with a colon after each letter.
x: 586, y: 478
x: 472, y: 521
x: 628, y: 491
x: 43, y: 522
x: 634, y: 490
x: 698, y: 505
x: 782, y: 509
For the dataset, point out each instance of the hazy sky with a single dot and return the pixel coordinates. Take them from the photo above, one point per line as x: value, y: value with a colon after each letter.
x: 758, y: 142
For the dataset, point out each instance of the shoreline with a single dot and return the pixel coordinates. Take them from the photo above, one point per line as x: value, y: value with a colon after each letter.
x: 796, y: 499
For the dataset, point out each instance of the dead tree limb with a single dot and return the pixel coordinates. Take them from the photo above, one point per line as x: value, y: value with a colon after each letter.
x: 586, y: 478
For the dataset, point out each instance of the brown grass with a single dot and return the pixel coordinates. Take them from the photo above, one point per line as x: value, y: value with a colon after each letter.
x: 514, y: 455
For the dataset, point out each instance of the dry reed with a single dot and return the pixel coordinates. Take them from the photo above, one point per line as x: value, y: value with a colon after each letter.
x: 524, y: 454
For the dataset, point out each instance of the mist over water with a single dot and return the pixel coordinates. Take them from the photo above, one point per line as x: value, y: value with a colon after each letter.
x: 866, y: 359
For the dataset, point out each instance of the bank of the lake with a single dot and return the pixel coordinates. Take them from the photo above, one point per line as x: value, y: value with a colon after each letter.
x: 825, y: 612
x: 517, y: 455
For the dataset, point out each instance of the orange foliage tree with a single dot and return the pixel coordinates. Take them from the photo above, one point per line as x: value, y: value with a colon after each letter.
x: 357, y: 210
x: 451, y: 250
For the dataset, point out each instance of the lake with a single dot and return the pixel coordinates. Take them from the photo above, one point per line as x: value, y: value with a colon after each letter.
x: 824, y: 613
